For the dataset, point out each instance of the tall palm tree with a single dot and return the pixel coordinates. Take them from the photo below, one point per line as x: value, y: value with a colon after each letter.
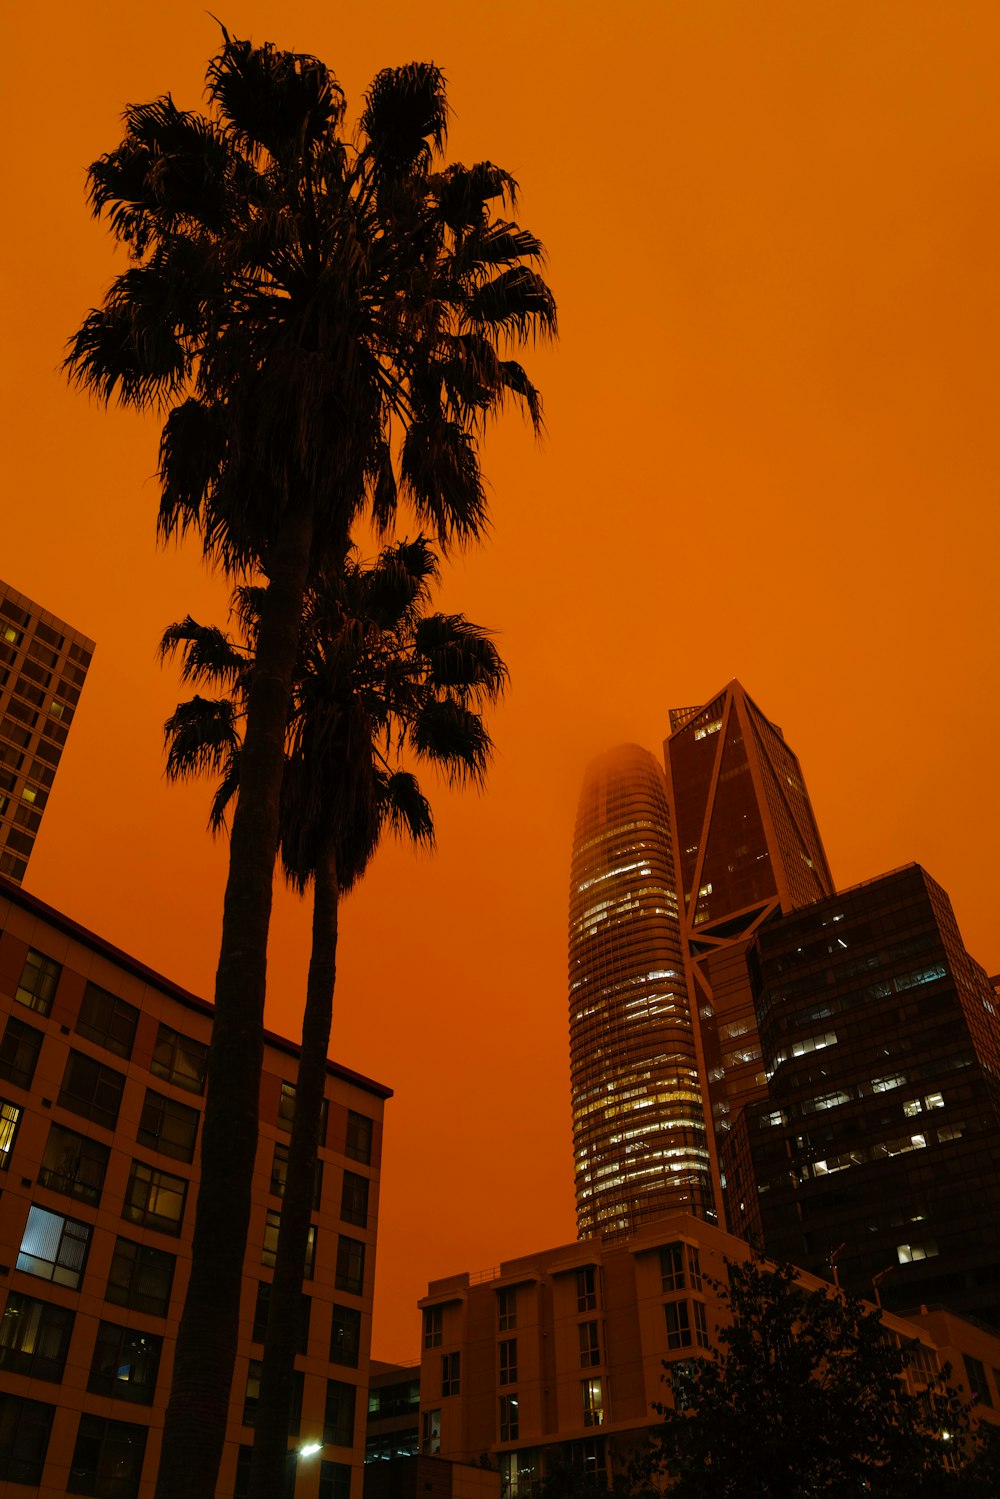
x: 324, y: 320
x: 377, y: 673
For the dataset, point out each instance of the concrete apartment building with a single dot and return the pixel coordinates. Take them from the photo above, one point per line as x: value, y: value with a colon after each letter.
x: 561, y: 1355
x: 43, y: 665
x: 101, y: 1077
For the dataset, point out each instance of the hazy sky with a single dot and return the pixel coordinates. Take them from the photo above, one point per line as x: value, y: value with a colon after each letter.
x: 772, y: 453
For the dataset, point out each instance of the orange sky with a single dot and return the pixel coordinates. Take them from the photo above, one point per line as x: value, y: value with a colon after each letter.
x: 772, y: 453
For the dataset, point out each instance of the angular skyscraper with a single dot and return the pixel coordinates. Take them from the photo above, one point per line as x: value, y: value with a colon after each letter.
x: 639, y: 1134
x: 43, y: 664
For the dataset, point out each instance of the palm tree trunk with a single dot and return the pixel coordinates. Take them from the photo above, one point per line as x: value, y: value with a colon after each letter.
x: 205, y: 1353
x: 270, y: 1446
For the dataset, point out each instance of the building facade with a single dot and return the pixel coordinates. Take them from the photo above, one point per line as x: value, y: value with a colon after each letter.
x: 639, y: 1136
x: 877, y: 1150
x: 101, y: 1078
x: 43, y: 665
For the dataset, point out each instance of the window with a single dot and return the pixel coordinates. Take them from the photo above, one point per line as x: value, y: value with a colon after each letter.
x: 334, y: 1481
x: 700, y: 1324
x: 124, y: 1364
x: 430, y: 1433
x: 586, y: 1289
x: 508, y: 1361
x: 345, y: 1336
x: 93, y: 1091
x: 107, y: 1459
x: 593, y: 1402
x: 169, y: 1127
x: 140, y: 1277
x: 259, y: 1331
x: 350, y: 1274
x: 19, y: 1052
x: 34, y: 1338
x: 286, y: 1106
x: 269, y: 1253
x: 279, y: 1175
x: 359, y: 1137
x: 979, y: 1388
x: 508, y: 1418
x: 507, y: 1309
x: 74, y: 1165
x: 678, y: 1324
x: 590, y: 1347
x: 54, y: 1248
x: 24, y: 1438
x: 154, y: 1198
x: 338, y: 1420
x: 39, y: 978
x: 451, y: 1373
x: 354, y: 1199
x: 433, y: 1326
x: 108, y: 1020
x: 179, y: 1060
x: 672, y: 1267
x: 10, y: 1118
x: 252, y: 1397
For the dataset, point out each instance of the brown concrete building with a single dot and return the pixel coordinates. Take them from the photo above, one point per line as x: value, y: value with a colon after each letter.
x: 101, y: 1079
x: 559, y: 1356
x: 43, y: 664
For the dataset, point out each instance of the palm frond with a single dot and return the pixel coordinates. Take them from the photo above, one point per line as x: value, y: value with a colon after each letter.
x: 208, y: 654
x: 463, y: 192
x: 200, y: 738
x: 403, y: 808
x: 272, y: 100
x: 454, y: 739
x: 405, y: 117
x: 461, y: 657
x: 517, y: 303
x: 439, y: 472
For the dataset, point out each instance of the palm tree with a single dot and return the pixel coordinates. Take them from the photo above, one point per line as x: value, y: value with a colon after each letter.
x: 324, y: 321
x: 377, y: 673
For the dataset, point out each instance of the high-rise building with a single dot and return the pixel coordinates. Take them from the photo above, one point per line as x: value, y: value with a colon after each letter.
x: 877, y: 1150
x: 43, y: 664
x: 102, y: 1069
x: 638, y: 1123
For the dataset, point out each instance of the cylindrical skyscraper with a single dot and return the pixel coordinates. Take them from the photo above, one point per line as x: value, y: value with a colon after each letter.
x: 639, y: 1132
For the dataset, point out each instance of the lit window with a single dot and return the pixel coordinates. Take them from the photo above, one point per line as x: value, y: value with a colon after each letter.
x: 10, y: 1118
x: 34, y: 1338
x: 430, y: 1433
x: 909, y: 1253
x: 155, y: 1199
x: 508, y: 1418
x: 54, y: 1248
x: 593, y: 1402
x: 125, y: 1364
x: 39, y: 978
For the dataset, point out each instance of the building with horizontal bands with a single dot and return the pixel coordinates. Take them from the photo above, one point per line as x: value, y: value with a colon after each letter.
x: 43, y: 665
x: 102, y: 1066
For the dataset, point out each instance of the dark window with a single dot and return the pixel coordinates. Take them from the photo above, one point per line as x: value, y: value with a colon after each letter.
x: 167, y: 1126
x: 508, y: 1361
x: 334, y: 1481
x: 451, y: 1373
x: 154, y: 1198
x: 39, y: 978
x: 359, y: 1137
x: 34, y: 1338
x: 261, y: 1305
x: 54, y: 1248
x: 107, y: 1459
x: 338, y: 1422
x: 354, y: 1199
x: 350, y: 1275
x: 672, y: 1267
x: 430, y: 1433
x: 700, y: 1324
x: 590, y: 1345
x: 694, y: 1267
x: 140, y: 1277
x: 508, y: 1418
x: 108, y: 1020
x: 10, y: 1118
x: 507, y: 1309
x: 252, y: 1397
x: 678, y: 1324
x: 73, y: 1164
x: 269, y: 1252
x: 179, y: 1060
x: 279, y: 1175
x: 19, y: 1052
x: 24, y: 1437
x: 979, y: 1388
x: 124, y: 1364
x: 91, y: 1090
x: 586, y: 1289
x: 286, y: 1106
x: 345, y: 1336
x: 433, y: 1326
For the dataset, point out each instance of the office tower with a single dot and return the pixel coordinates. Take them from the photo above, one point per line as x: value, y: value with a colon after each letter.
x: 746, y: 848
x: 102, y: 1066
x: 43, y: 664
x: 877, y: 1151
x: 639, y: 1136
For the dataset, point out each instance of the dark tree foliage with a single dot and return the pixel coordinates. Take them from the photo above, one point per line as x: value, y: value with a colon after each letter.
x: 805, y: 1396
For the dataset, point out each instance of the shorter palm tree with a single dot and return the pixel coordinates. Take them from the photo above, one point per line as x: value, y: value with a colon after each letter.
x: 378, y: 675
